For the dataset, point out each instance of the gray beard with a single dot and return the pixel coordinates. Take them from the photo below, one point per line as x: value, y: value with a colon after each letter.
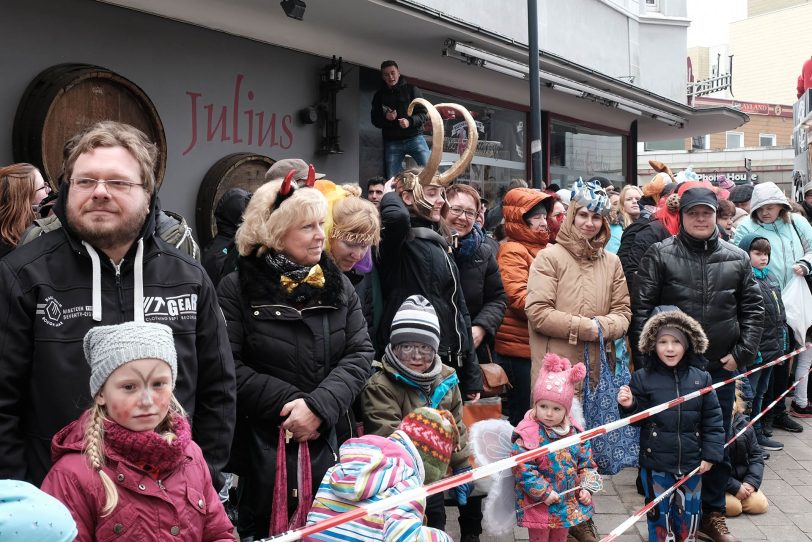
x: 103, y: 238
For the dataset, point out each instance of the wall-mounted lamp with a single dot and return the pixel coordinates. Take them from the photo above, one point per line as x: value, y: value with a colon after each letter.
x: 293, y: 8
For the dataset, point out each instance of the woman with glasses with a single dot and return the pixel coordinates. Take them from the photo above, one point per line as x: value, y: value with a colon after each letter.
x: 485, y: 298
x: 22, y: 188
x: 479, y: 272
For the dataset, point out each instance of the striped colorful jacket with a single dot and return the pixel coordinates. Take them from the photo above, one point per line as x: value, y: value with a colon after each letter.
x: 372, y: 468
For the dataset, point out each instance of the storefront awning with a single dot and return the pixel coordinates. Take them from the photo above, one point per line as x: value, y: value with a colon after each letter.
x: 419, y: 39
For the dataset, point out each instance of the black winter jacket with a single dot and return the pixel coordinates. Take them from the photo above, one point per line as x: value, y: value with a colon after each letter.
x: 709, y: 280
x: 46, y: 302
x: 228, y: 214
x: 484, y: 294
x: 626, y: 244
x: 677, y: 439
x: 651, y: 233
x: 278, y: 340
x: 368, y: 288
x: 771, y: 345
x: 398, y: 97
x: 746, y: 457
x: 409, y: 265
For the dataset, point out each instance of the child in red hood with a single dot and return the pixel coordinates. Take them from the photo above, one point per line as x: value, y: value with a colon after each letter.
x: 128, y: 467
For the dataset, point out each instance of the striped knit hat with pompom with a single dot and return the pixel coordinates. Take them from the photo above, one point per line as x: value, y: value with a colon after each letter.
x: 434, y: 433
x: 416, y: 321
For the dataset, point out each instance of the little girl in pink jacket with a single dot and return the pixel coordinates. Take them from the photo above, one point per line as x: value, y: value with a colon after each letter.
x: 127, y: 469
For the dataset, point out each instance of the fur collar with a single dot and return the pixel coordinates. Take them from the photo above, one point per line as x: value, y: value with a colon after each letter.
x: 678, y: 319
x: 260, y: 282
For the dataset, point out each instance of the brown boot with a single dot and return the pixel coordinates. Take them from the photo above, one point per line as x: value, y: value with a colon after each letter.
x: 584, y: 532
x: 713, y: 527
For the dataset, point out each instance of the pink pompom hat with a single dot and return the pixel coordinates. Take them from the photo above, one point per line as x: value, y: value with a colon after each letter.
x: 557, y: 379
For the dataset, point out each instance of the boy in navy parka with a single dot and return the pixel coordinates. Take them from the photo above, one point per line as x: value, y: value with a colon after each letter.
x: 676, y: 441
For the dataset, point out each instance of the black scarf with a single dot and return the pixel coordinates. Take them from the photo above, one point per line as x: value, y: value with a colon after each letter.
x: 287, y: 267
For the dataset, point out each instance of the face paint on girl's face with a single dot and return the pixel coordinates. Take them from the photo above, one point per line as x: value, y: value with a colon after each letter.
x: 137, y: 395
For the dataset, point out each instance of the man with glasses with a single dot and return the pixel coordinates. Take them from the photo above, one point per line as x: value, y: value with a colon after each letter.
x: 105, y: 266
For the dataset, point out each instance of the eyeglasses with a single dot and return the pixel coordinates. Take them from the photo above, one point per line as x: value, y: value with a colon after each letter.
x: 113, y: 186
x: 409, y: 349
x: 457, y: 211
x: 44, y: 187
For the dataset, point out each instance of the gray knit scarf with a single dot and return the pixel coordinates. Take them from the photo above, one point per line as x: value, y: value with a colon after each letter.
x: 424, y: 380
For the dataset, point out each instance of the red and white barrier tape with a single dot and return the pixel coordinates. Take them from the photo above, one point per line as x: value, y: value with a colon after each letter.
x: 507, y: 463
x: 623, y: 527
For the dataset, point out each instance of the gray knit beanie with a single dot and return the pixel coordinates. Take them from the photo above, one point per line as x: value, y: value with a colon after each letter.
x: 416, y: 321
x: 109, y: 347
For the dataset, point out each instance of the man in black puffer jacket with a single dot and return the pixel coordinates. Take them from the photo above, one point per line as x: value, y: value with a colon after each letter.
x: 712, y: 281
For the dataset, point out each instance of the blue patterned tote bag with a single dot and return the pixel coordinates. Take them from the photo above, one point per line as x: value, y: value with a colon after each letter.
x: 619, y: 448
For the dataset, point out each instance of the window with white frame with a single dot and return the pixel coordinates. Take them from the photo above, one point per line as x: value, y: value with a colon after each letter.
x: 652, y: 5
x: 766, y: 140
x: 734, y: 140
x: 700, y: 143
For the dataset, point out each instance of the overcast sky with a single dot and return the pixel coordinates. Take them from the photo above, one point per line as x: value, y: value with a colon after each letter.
x: 710, y: 19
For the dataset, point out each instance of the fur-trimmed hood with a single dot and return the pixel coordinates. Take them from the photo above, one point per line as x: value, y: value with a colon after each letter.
x: 678, y: 319
x: 260, y: 282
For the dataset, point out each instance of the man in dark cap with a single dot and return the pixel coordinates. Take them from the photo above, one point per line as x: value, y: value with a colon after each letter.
x: 281, y: 168
x: 740, y: 196
x: 711, y: 281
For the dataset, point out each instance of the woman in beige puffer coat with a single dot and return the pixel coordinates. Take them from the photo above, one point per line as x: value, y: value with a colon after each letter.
x: 575, y: 284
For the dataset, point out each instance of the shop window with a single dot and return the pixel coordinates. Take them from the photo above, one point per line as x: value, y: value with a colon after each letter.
x: 734, y: 140
x: 577, y: 151
x: 766, y: 140
x: 500, y: 154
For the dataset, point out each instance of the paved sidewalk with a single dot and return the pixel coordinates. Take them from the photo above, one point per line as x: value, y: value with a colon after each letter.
x: 787, y: 484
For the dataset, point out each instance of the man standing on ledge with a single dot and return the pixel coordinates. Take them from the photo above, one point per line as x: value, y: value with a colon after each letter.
x: 402, y: 133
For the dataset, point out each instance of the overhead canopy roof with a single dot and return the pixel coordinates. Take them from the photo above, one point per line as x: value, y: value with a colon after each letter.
x: 416, y: 36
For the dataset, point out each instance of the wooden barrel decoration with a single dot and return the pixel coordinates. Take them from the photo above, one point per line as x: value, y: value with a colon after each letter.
x: 67, y: 98
x: 239, y: 170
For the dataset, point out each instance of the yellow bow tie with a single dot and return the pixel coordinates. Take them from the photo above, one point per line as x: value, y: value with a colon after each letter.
x: 315, y: 278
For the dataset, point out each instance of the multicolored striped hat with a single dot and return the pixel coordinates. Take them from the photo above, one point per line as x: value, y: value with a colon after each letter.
x: 434, y: 433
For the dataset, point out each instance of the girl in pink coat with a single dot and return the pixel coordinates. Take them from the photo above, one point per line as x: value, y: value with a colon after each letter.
x: 127, y: 469
x: 549, y: 494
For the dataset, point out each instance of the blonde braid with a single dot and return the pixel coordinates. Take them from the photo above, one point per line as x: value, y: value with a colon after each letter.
x: 94, y: 451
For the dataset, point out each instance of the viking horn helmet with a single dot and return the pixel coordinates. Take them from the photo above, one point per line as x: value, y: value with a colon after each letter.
x: 429, y: 175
